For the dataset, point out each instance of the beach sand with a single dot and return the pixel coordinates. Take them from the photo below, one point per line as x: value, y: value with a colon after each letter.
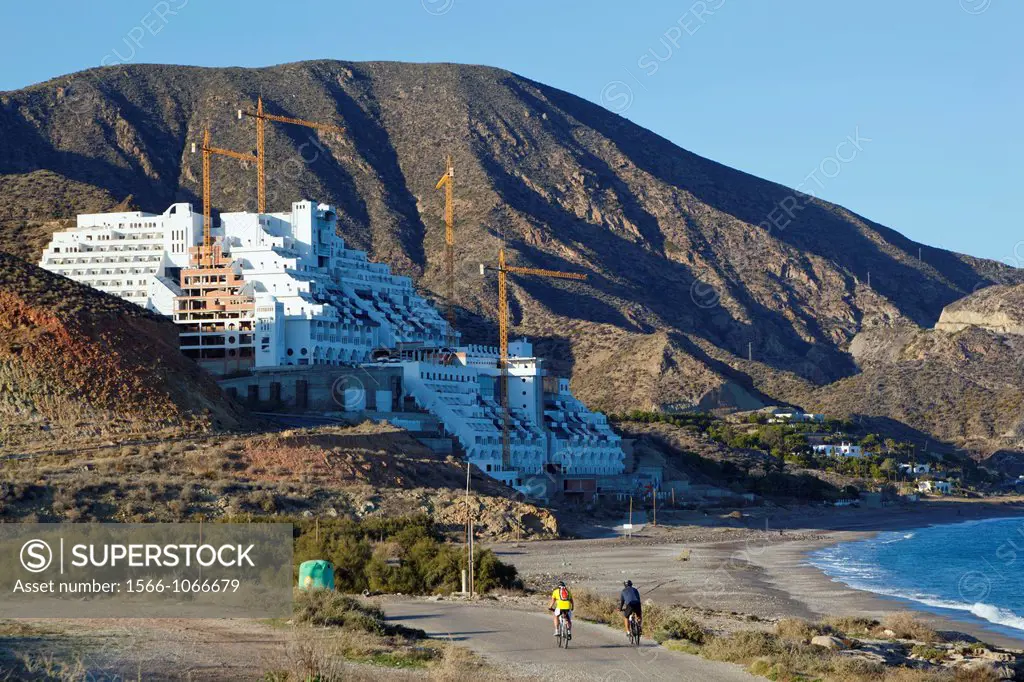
x: 745, y: 565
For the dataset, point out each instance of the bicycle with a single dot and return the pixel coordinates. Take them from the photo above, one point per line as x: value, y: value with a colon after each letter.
x: 635, y: 630
x: 564, y: 635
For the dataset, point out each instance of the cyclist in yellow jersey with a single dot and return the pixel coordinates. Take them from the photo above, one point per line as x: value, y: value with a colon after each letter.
x: 561, y: 601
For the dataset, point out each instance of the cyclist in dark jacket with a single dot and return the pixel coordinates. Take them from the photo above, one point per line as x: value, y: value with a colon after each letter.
x: 629, y: 603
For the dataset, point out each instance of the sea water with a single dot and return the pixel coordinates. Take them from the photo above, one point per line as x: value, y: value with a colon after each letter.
x: 971, y: 571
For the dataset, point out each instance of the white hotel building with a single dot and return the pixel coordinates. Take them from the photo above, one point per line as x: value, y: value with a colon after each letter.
x: 314, y: 301
x: 284, y: 289
x: 551, y: 431
x: 134, y: 255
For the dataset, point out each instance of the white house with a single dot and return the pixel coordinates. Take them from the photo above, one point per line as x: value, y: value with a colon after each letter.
x: 781, y: 416
x: 840, y: 450
x: 939, y: 487
x: 915, y: 469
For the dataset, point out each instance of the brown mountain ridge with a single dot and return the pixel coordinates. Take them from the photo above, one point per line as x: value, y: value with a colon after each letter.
x: 690, y: 301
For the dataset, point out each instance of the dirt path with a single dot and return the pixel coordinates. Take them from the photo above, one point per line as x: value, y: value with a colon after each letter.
x: 522, y: 642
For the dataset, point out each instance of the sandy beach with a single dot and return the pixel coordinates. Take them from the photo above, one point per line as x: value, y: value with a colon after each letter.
x: 755, y: 565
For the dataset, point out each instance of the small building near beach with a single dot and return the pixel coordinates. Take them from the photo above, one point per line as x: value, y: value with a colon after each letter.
x: 935, y: 487
x: 840, y: 450
x: 915, y: 469
x: 783, y: 416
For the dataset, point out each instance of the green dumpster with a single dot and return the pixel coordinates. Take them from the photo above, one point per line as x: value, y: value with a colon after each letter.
x: 316, y: 575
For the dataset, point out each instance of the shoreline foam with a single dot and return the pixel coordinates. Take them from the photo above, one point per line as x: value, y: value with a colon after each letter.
x: 869, y: 576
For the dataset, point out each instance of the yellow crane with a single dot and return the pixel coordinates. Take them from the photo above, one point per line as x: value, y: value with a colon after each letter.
x: 261, y: 118
x: 449, y: 246
x: 206, y: 254
x: 504, y: 269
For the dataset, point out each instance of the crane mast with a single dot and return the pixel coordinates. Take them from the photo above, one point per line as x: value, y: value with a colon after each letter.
x: 261, y: 118
x: 209, y: 151
x: 504, y: 269
x: 447, y: 181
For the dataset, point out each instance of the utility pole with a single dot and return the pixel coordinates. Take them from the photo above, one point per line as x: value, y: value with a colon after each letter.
x: 469, y: 530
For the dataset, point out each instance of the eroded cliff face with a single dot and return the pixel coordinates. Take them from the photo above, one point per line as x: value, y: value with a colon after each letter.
x: 996, y: 308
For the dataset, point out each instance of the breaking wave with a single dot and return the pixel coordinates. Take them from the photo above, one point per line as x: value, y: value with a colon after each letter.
x: 969, y: 571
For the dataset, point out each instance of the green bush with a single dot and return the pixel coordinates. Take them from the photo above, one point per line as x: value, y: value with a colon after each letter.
x: 406, y: 555
x: 928, y: 653
x: 491, y: 573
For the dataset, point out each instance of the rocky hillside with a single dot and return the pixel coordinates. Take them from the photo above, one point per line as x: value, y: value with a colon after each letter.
x: 694, y: 296
x: 964, y: 387
x: 369, y: 470
x: 76, y: 363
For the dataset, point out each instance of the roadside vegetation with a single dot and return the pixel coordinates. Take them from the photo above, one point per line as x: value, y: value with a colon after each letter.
x: 344, y: 638
x: 900, y: 648
x: 407, y: 555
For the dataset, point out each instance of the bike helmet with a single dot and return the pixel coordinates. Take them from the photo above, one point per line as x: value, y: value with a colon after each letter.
x: 561, y: 583
x: 628, y: 583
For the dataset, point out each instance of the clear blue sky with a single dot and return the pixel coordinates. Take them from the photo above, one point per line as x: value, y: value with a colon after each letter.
x: 767, y: 86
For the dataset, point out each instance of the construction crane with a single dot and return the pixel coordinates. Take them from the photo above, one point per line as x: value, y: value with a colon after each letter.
x: 206, y: 254
x: 261, y: 118
x: 504, y: 270
x: 449, y: 247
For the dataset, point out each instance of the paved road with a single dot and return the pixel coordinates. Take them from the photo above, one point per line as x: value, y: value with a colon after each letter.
x: 523, y: 641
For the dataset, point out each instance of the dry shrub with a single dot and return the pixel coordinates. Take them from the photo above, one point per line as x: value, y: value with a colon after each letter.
x: 680, y: 628
x: 906, y: 625
x: 49, y: 667
x: 982, y: 675
x: 852, y: 626
x: 315, y: 658
x: 655, y: 617
x: 798, y: 630
x: 592, y: 606
x: 743, y: 647
x: 849, y: 669
x: 327, y: 608
x: 457, y: 664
